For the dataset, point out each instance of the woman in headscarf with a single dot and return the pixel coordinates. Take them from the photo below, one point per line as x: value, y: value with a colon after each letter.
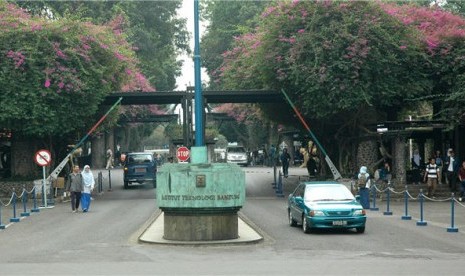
x: 416, y: 167
x: 363, y: 183
x: 88, y: 183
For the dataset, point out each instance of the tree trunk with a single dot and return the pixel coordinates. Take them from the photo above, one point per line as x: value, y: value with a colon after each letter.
x: 22, y: 158
x: 400, y: 159
x: 98, y: 152
x: 367, y: 154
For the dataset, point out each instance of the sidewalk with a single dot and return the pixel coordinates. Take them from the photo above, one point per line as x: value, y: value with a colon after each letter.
x: 437, y: 212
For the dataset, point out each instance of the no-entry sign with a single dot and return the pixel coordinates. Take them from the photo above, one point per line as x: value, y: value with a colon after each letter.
x: 183, y: 154
x: 43, y: 158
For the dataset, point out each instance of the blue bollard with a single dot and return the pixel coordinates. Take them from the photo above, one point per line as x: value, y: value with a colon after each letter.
x: 109, y: 180
x: 388, y: 199
x: 2, y: 226
x: 275, y: 181
x: 100, y: 183
x: 14, y: 218
x: 421, y: 222
x: 24, y: 199
x: 406, y: 216
x: 34, y: 198
x: 279, y: 189
x: 373, y: 192
x: 452, y: 229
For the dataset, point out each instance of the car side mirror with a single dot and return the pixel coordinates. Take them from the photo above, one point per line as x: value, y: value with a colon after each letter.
x: 357, y: 198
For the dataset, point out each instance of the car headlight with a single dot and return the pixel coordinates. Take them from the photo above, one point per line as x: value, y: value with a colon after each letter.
x: 316, y: 213
x: 359, y: 212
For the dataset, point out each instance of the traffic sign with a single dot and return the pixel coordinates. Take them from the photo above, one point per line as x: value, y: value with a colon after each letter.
x: 43, y: 158
x: 183, y: 154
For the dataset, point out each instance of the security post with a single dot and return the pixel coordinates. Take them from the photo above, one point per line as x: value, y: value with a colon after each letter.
x: 200, y: 200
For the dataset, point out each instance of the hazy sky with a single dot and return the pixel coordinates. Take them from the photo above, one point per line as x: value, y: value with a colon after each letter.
x: 188, y: 78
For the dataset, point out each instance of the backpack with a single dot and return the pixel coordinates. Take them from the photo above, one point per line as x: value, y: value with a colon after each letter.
x: 362, y: 180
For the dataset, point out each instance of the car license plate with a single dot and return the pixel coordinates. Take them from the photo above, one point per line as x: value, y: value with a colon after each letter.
x: 140, y: 170
x: 339, y: 223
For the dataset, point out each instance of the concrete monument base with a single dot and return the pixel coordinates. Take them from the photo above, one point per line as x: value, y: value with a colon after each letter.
x: 199, y: 226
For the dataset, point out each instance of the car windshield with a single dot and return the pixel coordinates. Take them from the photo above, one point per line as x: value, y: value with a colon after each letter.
x: 140, y: 158
x: 327, y: 193
x: 236, y: 150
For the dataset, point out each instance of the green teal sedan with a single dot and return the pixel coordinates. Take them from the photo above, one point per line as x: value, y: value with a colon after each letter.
x: 325, y: 204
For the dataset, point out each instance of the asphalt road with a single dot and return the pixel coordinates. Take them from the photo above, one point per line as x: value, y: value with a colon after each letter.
x: 105, y: 240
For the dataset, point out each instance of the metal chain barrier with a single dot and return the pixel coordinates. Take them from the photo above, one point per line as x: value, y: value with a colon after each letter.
x: 24, y: 200
x: 421, y: 197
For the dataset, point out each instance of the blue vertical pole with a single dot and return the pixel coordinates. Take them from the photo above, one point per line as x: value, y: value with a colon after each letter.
x: 388, y: 199
x: 34, y: 198
x: 452, y: 228
x: 421, y: 222
x: 14, y: 218
x: 198, y: 84
x: 373, y: 192
x: 25, y: 213
x: 279, y: 189
x: 2, y: 226
x: 406, y: 216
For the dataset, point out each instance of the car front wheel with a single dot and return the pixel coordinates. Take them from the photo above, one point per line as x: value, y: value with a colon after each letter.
x: 292, y: 221
x: 305, y: 227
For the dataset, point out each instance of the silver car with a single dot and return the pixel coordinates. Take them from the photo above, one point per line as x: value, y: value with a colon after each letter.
x: 237, y: 155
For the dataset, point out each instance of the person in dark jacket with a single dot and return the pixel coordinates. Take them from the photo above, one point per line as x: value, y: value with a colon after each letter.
x: 451, y: 166
x: 285, y: 159
x: 74, y: 187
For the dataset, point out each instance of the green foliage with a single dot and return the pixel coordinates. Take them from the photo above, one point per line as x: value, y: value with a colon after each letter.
x: 227, y: 20
x: 54, y: 74
x: 154, y: 30
x: 332, y: 57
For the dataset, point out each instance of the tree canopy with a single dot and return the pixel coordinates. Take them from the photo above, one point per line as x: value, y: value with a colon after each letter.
x: 152, y: 27
x: 55, y: 73
x: 332, y: 57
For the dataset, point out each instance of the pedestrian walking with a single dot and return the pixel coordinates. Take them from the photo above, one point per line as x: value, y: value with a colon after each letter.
x: 363, y: 184
x: 416, y: 167
x: 439, y: 163
x: 461, y: 174
x: 285, y: 159
x: 109, y: 159
x: 88, y: 186
x: 272, y: 155
x: 452, y: 166
x: 74, y: 187
x: 431, y: 177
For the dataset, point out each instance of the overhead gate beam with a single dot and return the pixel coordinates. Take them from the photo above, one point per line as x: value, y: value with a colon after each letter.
x: 175, y: 97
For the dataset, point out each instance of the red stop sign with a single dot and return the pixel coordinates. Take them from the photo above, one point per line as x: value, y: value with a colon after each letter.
x: 182, y: 153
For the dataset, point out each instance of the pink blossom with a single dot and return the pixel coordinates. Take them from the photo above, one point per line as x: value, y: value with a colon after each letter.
x: 36, y: 27
x: 47, y: 83
x: 119, y: 56
x: 17, y: 57
x: 432, y: 43
x: 128, y: 71
x: 402, y: 47
x: 61, y: 85
x: 58, y: 52
x: 301, y: 31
